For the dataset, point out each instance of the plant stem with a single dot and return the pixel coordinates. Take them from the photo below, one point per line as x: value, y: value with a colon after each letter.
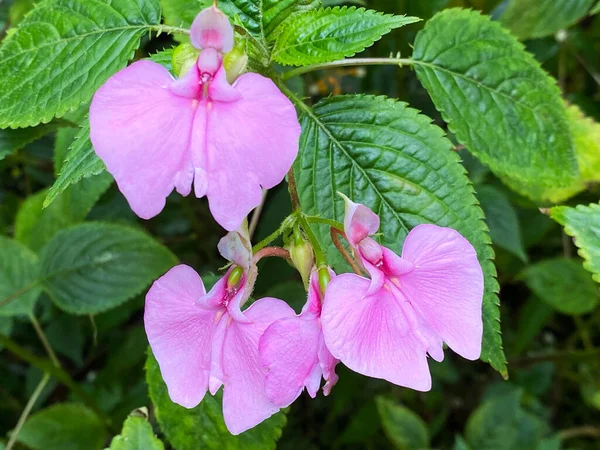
x: 38, y: 391
x: 256, y: 214
x: 169, y: 30
x: 253, y: 272
x: 583, y: 431
x: 348, y: 63
x: 45, y: 343
x: 287, y: 223
x: 335, y: 238
x: 329, y: 222
x: 295, y: 199
x: 569, y: 355
x: 321, y: 262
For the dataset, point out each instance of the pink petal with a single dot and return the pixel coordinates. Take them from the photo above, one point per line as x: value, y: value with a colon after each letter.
x: 245, y: 402
x: 359, y: 221
x: 180, y: 331
x: 289, y: 351
x: 235, y: 246
x: 250, y: 143
x: 327, y: 362
x: 211, y: 29
x: 371, y: 335
x: 226, y: 298
x: 141, y: 130
x: 446, y: 286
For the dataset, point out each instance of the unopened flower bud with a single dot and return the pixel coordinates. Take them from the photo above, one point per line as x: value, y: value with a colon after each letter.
x: 183, y: 59
x: 236, y: 61
x: 235, y: 276
x: 302, y: 255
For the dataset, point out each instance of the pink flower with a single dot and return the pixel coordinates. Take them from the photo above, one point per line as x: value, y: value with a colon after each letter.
x: 385, y: 327
x: 156, y: 134
x: 203, y: 340
x: 295, y: 355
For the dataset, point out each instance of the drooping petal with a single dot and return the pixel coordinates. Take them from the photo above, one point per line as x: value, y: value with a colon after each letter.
x: 250, y: 143
x: 289, y: 350
x: 141, y: 130
x: 445, y: 286
x: 211, y: 29
x: 180, y: 331
x: 327, y: 362
x: 236, y: 247
x: 245, y: 402
x: 359, y: 221
x: 371, y: 335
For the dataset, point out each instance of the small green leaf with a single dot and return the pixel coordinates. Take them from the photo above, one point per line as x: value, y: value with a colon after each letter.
x: 19, y: 268
x: 529, y: 19
x: 81, y: 162
x: 13, y: 140
x: 203, y: 427
x: 405, y: 429
x: 92, y: 267
x: 64, y: 426
x: 328, y: 34
x: 496, y: 98
x: 502, y: 220
x: 392, y: 159
x: 137, y: 434
x: 63, y: 51
x: 583, y: 224
x: 563, y: 284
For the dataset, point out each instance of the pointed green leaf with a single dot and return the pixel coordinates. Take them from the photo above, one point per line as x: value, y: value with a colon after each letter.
x: 332, y: 33
x: 202, y: 427
x: 595, y: 9
x: 387, y: 156
x: 64, y: 426
x: 564, y: 284
x: 583, y: 224
x: 92, y: 267
x: 405, y: 429
x: 63, y: 51
x: 495, y: 97
x: 81, y: 162
x: 19, y: 268
x: 529, y: 19
x: 137, y: 434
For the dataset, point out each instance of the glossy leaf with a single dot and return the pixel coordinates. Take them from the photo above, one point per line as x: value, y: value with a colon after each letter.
x: 203, y: 427
x: 502, y: 220
x: 74, y: 44
x: 332, y: 33
x: 405, y: 429
x: 93, y: 267
x: 563, y: 284
x: 137, y: 434
x: 387, y: 156
x: 81, y: 162
x: 495, y: 98
x: 583, y: 224
x: 529, y: 19
x: 19, y: 268
x: 63, y: 426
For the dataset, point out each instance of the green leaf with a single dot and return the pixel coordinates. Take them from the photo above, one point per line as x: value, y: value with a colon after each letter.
x: 405, y: 429
x: 36, y: 225
x: 63, y: 51
x: 529, y: 19
x: 262, y: 17
x: 6, y: 326
x: 595, y: 9
x: 19, y: 268
x: 390, y: 158
x: 81, y: 162
x: 502, y: 220
x: 137, y: 434
x: 328, y: 34
x: 495, y: 97
x: 65, y: 426
x: 533, y: 317
x: 13, y: 140
x: 586, y: 140
x: 583, y: 224
x: 203, y: 427
x: 180, y: 13
x: 563, y: 284
x: 92, y: 267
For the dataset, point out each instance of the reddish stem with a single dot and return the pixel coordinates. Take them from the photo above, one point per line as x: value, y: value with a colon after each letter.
x: 335, y: 238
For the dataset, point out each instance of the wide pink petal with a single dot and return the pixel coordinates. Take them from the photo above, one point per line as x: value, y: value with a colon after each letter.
x: 211, y: 29
x: 251, y: 144
x: 359, y: 221
x: 445, y: 286
x: 141, y: 130
x: 180, y: 331
x: 245, y: 402
x: 371, y: 335
x: 289, y: 350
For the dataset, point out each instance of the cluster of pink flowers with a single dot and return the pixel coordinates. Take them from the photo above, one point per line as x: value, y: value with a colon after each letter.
x: 230, y: 140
